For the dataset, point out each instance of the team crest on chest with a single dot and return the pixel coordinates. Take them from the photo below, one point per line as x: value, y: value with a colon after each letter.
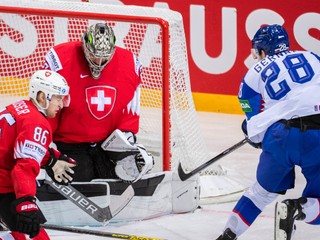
x: 100, y: 100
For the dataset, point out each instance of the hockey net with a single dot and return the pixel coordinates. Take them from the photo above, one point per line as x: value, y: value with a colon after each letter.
x: 169, y: 127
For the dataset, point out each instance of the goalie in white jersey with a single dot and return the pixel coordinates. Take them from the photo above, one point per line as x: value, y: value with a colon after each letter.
x: 280, y: 96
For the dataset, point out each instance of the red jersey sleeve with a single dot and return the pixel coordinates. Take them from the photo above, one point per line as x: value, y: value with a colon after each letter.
x: 30, y: 147
x: 23, y: 177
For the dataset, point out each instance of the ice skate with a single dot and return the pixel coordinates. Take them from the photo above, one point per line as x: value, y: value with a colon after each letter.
x: 227, y: 235
x: 286, y: 213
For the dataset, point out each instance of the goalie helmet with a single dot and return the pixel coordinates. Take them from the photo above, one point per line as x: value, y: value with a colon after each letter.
x: 98, y: 43
x: 273, y: 39
x: 51, y: 83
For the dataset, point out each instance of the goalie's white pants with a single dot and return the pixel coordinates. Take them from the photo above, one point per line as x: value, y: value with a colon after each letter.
x: 170, y: 196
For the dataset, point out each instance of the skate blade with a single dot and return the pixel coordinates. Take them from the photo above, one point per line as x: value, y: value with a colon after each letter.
x: 281, y: 212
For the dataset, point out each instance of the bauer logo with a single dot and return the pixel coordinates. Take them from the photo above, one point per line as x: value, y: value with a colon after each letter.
x: 245, y: 106
x: 76, y: 198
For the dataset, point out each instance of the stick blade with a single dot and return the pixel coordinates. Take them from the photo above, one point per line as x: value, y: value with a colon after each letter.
x: 182, y: 174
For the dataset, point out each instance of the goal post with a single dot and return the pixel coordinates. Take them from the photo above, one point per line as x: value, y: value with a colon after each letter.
x: 169, y: 127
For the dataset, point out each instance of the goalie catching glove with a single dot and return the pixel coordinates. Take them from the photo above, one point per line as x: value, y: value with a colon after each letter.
x: 59, y: 167
x: 132, y: 160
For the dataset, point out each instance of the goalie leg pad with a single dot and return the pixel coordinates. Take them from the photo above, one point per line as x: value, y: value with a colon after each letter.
x: 185, y: 194
x: 60, y: 211
x: 156, y: 194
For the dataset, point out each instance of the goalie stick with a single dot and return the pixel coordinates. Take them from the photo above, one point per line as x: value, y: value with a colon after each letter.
x: 184, y: 176
x: 97, y: 233
x: 88, y: 206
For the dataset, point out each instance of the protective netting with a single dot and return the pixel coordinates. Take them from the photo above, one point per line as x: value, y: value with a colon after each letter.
x: 26, y: 35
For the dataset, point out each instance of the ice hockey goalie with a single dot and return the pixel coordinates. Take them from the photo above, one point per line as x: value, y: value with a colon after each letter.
x: 155, y: 194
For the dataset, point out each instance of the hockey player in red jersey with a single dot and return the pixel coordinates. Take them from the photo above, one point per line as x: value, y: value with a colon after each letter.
x: 104, y: 81
x: 25, y: 135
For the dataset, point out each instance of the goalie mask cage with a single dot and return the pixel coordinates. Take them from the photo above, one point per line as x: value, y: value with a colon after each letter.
x: 169, y: 128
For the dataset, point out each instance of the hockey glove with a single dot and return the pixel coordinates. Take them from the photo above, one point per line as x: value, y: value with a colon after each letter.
x: 131, y: 159
x: 133, y: 167
x: 59, y: 167
x: 29, y: 216
x: 245, y: 131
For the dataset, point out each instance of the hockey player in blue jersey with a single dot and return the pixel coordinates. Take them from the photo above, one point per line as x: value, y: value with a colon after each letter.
x: 280, y: 96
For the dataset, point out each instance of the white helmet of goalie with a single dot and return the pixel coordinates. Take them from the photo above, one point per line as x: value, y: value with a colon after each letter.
x: 50, y: 83
x: 98, y: 42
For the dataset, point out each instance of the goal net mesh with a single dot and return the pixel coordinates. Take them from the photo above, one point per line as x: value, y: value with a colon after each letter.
x: 155, y: 36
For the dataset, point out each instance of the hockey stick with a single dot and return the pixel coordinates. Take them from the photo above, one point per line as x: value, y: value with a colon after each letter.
x: 184, y: 176
x: 91, y: 208
x: 96, y: 233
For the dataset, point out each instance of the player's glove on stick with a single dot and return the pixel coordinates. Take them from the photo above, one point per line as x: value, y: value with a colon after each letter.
x: 29, y: 216
x: 60, y: 166
x: 245, y: 131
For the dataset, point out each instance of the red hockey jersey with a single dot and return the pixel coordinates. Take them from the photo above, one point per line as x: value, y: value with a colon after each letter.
x: 97, y: 107
x: 25, y: 135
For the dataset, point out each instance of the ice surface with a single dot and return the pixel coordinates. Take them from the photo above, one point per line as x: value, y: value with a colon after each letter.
x: 220, y: 131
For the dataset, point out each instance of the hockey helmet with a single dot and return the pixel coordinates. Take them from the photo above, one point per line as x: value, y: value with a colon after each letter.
x: 50, y: 83
x: 273, y: 39
x: 98, y: 43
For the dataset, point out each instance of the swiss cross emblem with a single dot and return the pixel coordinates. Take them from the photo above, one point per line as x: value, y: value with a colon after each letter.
x: 47, y: 73
x: 100, y: 100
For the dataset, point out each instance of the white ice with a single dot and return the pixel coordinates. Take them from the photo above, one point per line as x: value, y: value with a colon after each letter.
x: 220, y: 132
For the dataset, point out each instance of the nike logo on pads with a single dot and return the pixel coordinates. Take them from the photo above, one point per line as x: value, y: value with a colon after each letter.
x: 83, y: 76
